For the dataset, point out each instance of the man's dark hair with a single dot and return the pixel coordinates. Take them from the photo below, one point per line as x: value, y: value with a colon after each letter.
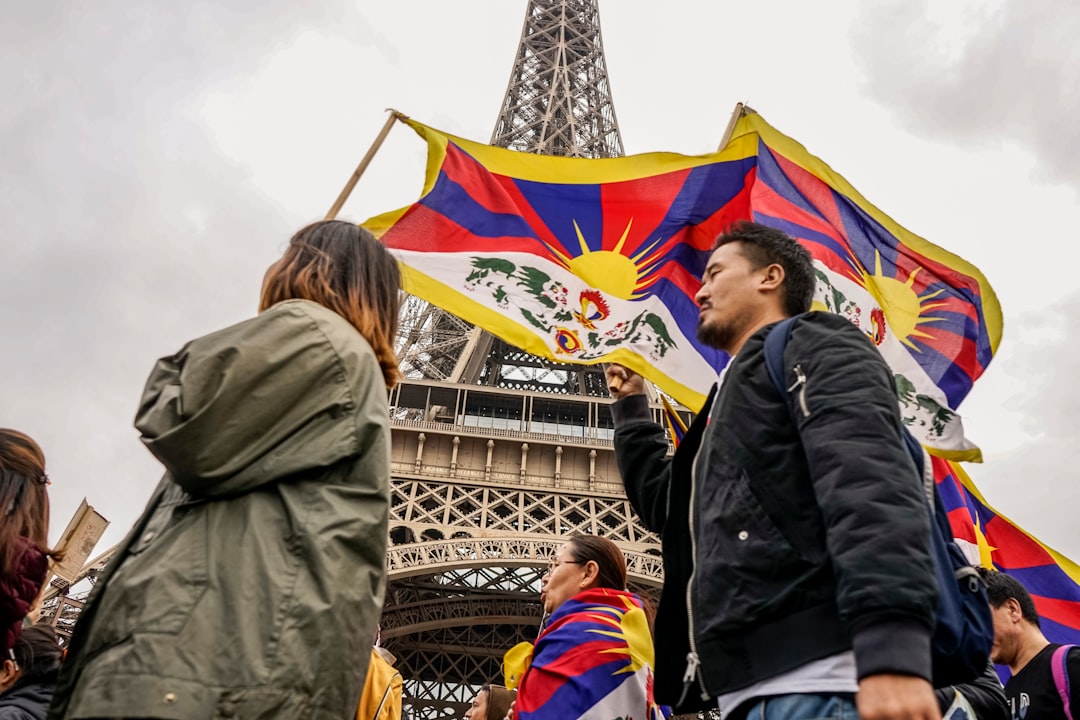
x: 762, y: 246
x: 1001, y: 587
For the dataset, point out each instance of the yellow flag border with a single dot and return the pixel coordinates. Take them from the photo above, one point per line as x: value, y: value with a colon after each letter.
x: 1071, y: 568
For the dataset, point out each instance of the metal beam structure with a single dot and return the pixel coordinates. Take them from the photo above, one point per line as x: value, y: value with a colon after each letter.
x: 558, y: 101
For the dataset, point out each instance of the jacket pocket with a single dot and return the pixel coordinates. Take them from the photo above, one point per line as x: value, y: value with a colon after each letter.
x: 161, y: 581
x: 744, y: 563
x: 745, y: 534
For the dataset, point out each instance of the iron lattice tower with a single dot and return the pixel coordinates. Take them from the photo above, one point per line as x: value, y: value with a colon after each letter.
x: 499, y: 454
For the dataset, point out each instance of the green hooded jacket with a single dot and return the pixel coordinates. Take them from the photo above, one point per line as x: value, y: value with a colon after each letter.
x: 251, y: 586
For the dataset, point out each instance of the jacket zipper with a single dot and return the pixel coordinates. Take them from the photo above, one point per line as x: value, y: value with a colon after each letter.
x: 800, y: 383
x: 693, y: 661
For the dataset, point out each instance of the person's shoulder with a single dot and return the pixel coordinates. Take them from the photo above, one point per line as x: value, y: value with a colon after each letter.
x: 822, y: 321
x: 829, y: 332
x: 336, y: 329
x: 297, y: 310
x: 1038, y: 665
x: 15, y: 711
x: 1072, y: 659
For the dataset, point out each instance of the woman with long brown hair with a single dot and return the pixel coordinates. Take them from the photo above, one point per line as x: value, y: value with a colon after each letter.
x: 24, y: 529
x: 252, y: 584
x: 594, y: 656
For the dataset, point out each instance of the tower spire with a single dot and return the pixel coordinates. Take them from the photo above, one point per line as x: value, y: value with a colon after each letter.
x: 558, y: 100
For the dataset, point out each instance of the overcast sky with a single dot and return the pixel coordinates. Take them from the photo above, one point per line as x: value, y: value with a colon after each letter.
x: 155, y: 158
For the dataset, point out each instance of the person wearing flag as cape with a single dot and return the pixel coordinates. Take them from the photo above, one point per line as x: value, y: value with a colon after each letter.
x: 593, y: 659
x: 798, y: 575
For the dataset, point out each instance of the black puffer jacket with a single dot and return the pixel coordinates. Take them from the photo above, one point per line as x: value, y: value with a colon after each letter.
x: 783, y: 545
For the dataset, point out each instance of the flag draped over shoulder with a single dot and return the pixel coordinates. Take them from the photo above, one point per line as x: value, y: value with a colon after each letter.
x: 593, y: 661
x: 598, y: 260
x: 933, y: 316
x: 993, y: 541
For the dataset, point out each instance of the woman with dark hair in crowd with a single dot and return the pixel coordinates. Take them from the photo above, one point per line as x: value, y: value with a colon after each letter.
x: 594, y: 657
x: 252, y: 584
x: 24, y: 529
x: 491, y: 703
x: 27, y: 677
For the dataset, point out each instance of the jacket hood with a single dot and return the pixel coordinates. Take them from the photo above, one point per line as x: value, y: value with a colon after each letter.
x: 258, y: 401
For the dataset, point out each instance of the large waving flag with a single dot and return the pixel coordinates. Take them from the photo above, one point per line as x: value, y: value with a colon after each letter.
x: 993, y: 541
x: 933, y: 316
x: 591, y: 261
x: 572, y: 259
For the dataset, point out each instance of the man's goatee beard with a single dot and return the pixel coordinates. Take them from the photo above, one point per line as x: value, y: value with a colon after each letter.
x: 713, y: 336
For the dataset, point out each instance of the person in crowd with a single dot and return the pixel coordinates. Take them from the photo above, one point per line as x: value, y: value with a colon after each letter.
x: 1032, y: 691
x: 492, y: 702
x: 381, y: 696
x: 24, y: 529
x: 252, y: 584
x: 981, y: 699
x: 798, y: 576
x: 594, y: 656
x: 28, y: 676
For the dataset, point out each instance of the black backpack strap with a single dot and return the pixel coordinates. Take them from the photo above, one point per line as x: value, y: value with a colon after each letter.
x: 775, y: 342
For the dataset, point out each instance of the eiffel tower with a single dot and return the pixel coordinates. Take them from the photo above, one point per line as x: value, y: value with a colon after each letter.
x: 498, y: 454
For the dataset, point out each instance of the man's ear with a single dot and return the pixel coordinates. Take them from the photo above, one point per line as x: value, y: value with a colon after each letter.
x: 772, y: 276
x: 1014, y: 609
x: 9, y: 673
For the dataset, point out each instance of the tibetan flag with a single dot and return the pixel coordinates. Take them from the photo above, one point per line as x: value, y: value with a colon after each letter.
x: 993, y: 541
x: 574, y: 260
x: 933, y: 316
x: 676, y: 426
x: 594, y: 660
x: 598, y: 260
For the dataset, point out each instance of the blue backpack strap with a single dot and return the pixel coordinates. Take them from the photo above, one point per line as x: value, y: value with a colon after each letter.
x: 775, y: 342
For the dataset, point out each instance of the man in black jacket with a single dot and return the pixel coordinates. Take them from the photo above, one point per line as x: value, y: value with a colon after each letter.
x: 798, y: 576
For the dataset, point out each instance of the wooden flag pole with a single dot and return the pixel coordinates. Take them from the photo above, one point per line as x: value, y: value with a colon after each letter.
x: 364, y: 162
x: 738, y: 112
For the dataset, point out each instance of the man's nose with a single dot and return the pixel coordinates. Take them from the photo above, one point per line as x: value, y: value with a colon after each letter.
x: 700, y: 295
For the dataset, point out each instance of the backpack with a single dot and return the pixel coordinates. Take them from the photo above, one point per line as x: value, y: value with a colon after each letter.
x: 963, y: 628
x: 1061, y: 676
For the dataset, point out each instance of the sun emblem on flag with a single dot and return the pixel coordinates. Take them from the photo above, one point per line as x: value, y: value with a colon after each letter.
x: 632, y: 627
x: 904, y: 309
x: 624, y: 276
